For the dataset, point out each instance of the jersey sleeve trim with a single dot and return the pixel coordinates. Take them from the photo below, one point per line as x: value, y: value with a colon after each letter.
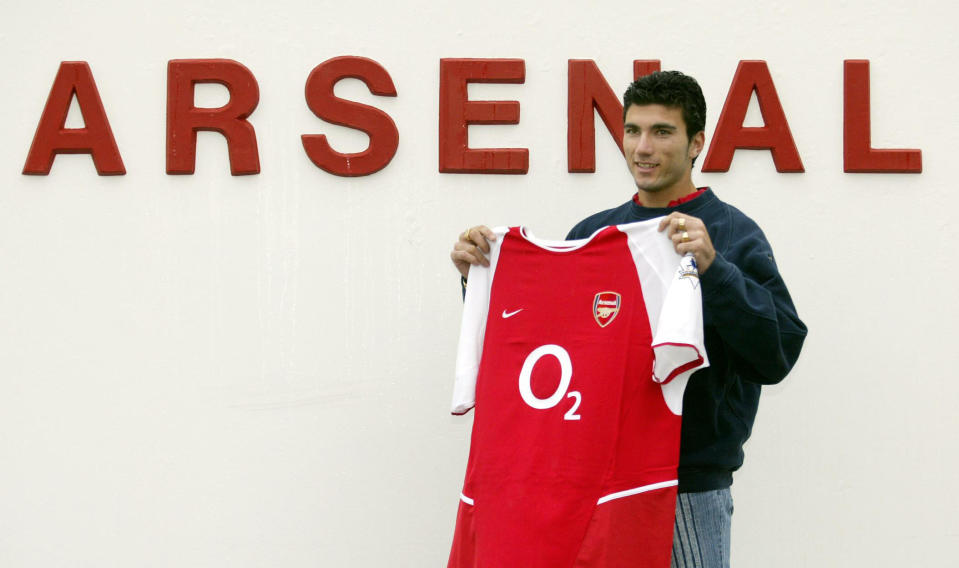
x: 637, y: 491
x: 674, y: 359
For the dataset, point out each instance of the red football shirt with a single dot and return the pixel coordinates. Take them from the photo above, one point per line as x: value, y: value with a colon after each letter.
x: 575, y: 355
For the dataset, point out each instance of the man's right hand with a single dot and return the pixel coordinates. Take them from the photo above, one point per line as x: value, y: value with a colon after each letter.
x: 470, y: 248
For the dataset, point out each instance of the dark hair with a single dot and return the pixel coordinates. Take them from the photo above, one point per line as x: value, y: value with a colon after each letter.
x: 670, y: 89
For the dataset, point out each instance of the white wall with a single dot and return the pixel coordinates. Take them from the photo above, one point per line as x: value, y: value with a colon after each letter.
x: 211, y: 370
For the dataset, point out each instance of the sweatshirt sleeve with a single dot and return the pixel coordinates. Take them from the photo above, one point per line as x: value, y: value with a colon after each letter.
x: 747, y: 303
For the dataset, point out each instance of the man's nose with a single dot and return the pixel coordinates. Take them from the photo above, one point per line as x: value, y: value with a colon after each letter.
x: 643, y: 145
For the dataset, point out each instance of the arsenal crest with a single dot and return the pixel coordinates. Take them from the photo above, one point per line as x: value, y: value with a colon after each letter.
x: 605, y: 307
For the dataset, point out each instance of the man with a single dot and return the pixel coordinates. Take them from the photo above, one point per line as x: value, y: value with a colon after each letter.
x: 753, y: 335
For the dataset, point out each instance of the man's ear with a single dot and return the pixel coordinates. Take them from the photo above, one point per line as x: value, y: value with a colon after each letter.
x: 696, y: 144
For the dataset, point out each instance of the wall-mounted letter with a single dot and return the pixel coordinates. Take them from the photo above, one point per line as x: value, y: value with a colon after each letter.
x: 184, y: 119
x: 731, y: 134
x: 384, y: 138
x: 858, y: 154
x: 95, y: 138
x: 457, y: 112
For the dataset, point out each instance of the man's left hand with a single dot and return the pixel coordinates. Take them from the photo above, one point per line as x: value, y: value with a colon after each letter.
x: 689, y: 235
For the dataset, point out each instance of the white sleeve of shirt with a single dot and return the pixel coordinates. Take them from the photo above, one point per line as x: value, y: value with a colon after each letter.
x: 674, y: 305
x: 473, y: 328
x: 678, y: 339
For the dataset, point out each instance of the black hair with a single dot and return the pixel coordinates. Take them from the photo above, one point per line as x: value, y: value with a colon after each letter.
x: 670, y: 89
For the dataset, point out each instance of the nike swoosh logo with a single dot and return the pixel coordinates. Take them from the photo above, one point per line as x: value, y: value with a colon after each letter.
x: 511, y: 314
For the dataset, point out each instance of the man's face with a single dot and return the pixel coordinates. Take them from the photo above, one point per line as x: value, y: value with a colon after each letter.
x: 658, y: 152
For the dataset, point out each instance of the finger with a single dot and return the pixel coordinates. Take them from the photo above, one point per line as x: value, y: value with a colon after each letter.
x: 463, y: 260
x: 467, y: 235
x: 479, y: 235
x: 480, y: 240
x: 478, y: 254
x: 469, y: 254
x: 692, y: 233
x: 681, y: 222
x: 677, y: 237
x: 693, y: 246
x: 678, y: 222
x: 486, y: 232
x: 667, y: 221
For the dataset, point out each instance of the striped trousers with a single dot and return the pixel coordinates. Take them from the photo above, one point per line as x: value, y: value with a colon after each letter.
x: 701, y: 533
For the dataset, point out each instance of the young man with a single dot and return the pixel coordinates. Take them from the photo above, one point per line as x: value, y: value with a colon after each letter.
x: 753, y: 335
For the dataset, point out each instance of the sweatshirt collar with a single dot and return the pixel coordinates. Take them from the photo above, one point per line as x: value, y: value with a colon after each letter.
x: 685, y: 199
x: 702, y: 197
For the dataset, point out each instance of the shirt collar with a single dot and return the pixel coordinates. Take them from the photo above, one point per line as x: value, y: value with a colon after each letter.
x: 684, y: 199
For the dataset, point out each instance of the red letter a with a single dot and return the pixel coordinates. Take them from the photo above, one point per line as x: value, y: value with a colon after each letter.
x: 95, y: 138
x: 731, y: 134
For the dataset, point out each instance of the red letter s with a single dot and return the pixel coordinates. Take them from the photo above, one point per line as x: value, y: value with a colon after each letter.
x: 384, y: 138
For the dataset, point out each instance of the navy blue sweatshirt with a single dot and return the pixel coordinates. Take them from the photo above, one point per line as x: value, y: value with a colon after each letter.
x: 752, y: 332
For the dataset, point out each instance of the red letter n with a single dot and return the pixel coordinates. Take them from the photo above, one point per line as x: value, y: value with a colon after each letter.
x: 588, y: 90
x: 731, y: 134
x: 95, y: 138
x: 183, y: 119
x: 457, y: 113
x: 858, y: 153
x: 384, y: 138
